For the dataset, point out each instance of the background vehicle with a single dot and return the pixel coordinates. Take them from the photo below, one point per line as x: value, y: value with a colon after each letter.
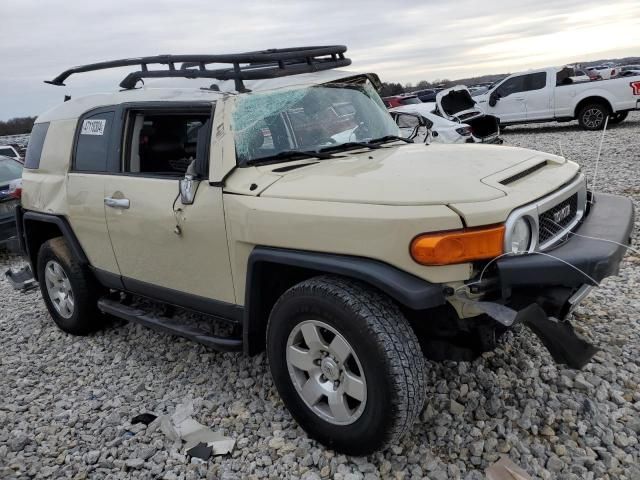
x: 629, y: 70
x: 457, y: 104
x: 441, y: 130
x: 534, y: 96
x: 10, y: 190
x: 309, y: 226
x: 604, y: 72
x: 399, y: 100
x: 427, y: 95
x: 11, y: 152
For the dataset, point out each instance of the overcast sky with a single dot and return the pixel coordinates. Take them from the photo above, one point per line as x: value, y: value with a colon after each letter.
x: 401, y: 40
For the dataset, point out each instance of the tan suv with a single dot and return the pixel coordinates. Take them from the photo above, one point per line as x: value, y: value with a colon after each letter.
x: 281, y: 200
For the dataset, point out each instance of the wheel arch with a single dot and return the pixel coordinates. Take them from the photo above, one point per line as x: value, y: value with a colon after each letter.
x: 39, y: 227
x: 601, y: 99
x: 271, y: 271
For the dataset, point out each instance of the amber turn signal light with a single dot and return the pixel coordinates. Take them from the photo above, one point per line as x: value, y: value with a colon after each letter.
x: 458, y: 246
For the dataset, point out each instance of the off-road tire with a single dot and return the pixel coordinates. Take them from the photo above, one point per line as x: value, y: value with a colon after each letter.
x: 587, y: 121
x: 85, y: 317
x: 616, y: 118
x: 385, y: 344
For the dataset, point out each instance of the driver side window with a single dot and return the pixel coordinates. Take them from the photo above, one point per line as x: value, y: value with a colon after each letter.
x: 510, y: 86
x: 163, y: 143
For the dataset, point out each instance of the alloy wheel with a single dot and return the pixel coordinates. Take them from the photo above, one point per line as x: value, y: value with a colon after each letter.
x: 593, y: 118
x: 326, y: 372
x: 59, y: 288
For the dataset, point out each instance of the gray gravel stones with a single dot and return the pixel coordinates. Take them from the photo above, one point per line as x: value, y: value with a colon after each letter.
x: 66, y: 402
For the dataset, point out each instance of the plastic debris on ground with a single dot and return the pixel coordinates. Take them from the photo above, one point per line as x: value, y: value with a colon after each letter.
x: 21, y: 279
x: 144, y: 418
x: 505, y: 469
x: 197, y: 437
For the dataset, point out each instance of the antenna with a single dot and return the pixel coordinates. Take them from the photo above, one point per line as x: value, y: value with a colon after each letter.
x: 595, y: 173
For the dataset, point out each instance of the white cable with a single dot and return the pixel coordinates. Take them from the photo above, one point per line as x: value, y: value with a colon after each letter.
x: 530, y: 253
x: 595, y: 173
x: 600, y: 239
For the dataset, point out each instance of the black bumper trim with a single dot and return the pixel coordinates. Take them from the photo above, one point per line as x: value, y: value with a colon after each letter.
x: 579, y: 260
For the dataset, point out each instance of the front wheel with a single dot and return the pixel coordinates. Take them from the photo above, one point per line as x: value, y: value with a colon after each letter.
x: 592, y: 116
x: 346, y: 363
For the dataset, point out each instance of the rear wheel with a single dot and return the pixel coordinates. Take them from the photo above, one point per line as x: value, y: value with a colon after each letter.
x: 68, y: 289
x: 616, y: 118
x: 346, y: 363
x: 592, y: 116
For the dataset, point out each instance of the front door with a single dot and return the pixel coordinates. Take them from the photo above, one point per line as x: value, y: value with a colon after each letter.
x: 162, y: 246
x: 510, y: 105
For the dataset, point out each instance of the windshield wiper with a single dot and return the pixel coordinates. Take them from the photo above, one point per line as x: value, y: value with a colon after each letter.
x: 349, y: 145
x: 287, y: 155
x: 389, y: 138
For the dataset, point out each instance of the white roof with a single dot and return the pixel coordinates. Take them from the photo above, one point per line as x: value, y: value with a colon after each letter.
x: 183, y: 90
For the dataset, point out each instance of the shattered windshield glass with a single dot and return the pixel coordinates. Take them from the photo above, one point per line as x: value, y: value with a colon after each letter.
x: 266, y: 125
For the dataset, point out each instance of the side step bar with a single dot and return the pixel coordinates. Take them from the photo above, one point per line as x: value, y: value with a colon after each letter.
x: 117, y: 309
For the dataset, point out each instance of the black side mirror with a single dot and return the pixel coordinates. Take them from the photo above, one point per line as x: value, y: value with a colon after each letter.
x: 493, y: 98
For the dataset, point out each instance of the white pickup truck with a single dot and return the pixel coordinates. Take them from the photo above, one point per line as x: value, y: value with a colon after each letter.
x: 545, y: 95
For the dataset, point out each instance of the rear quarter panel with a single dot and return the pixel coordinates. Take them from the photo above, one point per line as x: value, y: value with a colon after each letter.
x: 44, y: 189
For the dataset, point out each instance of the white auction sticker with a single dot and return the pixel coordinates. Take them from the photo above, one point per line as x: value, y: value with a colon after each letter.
x: 93, y: 127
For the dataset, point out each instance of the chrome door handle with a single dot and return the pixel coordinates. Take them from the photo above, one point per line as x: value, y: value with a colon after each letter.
x: 116, y: 202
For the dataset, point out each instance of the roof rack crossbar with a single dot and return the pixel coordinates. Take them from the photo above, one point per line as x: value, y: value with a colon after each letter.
x: 243, y: 66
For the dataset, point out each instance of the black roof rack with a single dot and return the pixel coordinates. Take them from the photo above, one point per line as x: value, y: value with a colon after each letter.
x: 245, y: 66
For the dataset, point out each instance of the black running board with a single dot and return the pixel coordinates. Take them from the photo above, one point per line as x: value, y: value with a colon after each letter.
x: 131, y: 314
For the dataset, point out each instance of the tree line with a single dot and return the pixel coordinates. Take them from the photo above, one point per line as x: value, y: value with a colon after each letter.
x: 17, y: 126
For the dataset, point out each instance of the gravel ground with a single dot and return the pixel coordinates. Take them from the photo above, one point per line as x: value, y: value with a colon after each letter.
x: 66, y: 402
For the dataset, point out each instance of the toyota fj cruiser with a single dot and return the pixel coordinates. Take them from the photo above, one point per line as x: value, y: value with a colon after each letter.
x: 278, y: 197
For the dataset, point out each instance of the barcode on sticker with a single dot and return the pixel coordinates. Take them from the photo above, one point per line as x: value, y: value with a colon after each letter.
x: 93, y: 127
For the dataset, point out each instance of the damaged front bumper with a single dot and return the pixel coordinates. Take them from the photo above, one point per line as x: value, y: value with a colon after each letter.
x: 540, y: 289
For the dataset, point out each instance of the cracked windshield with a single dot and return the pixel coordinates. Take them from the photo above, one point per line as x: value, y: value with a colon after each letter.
x: 285, y: 123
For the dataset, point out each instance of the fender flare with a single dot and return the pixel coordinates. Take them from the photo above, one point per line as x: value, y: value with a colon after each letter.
x: 405, y: 288
x: 63, y: 225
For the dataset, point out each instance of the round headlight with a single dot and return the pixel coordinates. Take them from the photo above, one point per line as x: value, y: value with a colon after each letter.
x: 520, y: 236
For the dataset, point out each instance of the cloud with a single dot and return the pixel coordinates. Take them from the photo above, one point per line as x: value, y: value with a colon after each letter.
x: 405, y: 41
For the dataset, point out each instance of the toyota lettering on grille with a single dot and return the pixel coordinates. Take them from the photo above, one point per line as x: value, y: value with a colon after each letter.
x: 561, y: 214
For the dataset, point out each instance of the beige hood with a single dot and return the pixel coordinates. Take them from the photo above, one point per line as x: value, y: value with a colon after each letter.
x: 402, y: 175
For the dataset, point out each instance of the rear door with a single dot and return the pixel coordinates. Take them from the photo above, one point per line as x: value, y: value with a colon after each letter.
x: 164, y: 248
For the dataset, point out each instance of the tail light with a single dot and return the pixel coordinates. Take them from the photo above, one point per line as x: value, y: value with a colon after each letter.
x: 636, y: 87
x: 464, y: 131
x: 15, y: 189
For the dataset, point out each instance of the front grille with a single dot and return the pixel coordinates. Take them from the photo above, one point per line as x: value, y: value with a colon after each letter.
x: 557, y: 218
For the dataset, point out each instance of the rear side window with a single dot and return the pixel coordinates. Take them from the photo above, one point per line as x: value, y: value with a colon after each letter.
x: 92, y: 147
x: 535, y: 81
x: 36, y: 142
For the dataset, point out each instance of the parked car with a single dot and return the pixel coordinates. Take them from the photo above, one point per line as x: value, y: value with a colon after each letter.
x: 440, y: 130
x: 629, y: 70
x: 346, y: 260
x: 11, y: 151
x: 10, y: 190
x: 399, y: 100
x: 457, y: 104
x: 427, y: 95
x: 604, y: 72
x: 534, y: 96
